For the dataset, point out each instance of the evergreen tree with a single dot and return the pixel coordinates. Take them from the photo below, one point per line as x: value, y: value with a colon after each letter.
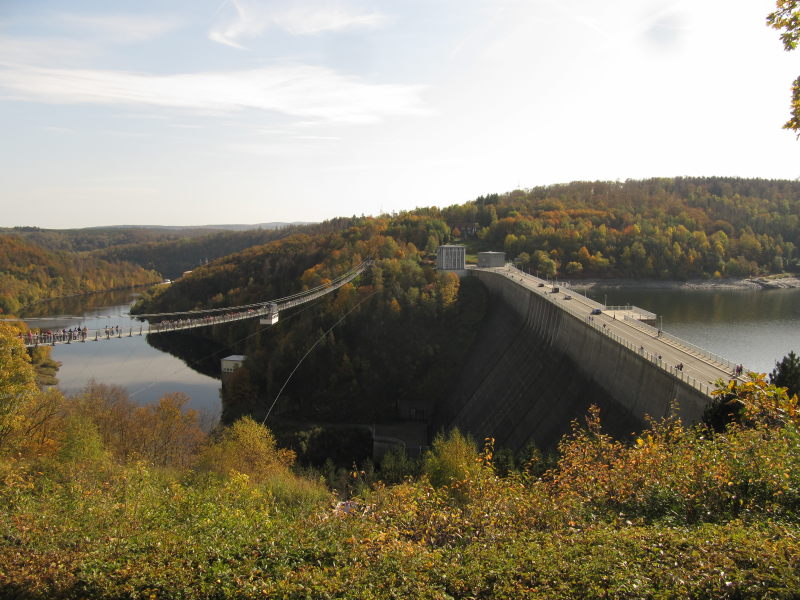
x: 787, y: 373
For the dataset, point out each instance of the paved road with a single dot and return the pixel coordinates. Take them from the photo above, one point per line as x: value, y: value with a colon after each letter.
x: 698, y: 370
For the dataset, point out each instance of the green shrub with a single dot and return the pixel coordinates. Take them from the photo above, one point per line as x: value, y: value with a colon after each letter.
x: 82, y: 443
x: 396, y: 465
x: 454, y: 458
x: 246, y: 447
x: 298, y: 492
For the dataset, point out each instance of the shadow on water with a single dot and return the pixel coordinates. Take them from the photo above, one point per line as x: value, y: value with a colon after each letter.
x: 198, y: 353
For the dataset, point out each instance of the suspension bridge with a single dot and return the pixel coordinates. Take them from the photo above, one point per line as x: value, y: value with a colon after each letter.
x: 157, y: 323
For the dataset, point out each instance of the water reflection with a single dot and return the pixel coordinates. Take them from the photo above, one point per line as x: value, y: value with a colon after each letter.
x: 753, y: 327
x: 200, y: 353
x: 80, y: 305
x: 146, y: 372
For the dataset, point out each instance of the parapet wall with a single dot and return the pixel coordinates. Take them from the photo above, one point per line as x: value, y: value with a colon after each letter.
x: 536, y: 368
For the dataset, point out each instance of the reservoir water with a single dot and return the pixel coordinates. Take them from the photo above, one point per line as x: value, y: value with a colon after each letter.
x: 752, y: 327
x: 144, y: 371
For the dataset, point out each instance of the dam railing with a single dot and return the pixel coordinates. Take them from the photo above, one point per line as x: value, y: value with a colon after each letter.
x: 643, y: 314
x: 683, y: 344
x: 703, y: 387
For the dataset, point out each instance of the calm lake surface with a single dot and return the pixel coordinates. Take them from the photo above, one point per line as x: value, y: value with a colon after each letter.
x: 145, y: 372
x: 755, y: 328
x: 752, y: 327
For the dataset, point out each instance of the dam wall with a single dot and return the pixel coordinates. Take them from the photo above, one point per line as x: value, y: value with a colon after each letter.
x: 535, y: 368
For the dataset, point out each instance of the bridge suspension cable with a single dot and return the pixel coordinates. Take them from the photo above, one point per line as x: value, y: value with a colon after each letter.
x: 337, y: 282
x: 198, y: 318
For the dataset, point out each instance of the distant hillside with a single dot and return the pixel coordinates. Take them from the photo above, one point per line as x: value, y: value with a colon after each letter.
x: 94, y: 238
x: 171, y: 257
x: 29, y: 273
x: 205, y: 228
x: 657, y: 228
x: 168, y: 249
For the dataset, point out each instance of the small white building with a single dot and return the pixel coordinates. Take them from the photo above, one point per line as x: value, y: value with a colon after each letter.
x: 451, y: 257
x: 231, y: 363
x: 491, y: 259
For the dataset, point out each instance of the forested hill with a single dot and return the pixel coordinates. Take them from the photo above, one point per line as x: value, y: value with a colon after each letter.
x: 400, y: 349
x: 39, y: 264
x: 658, y: 228
x: 95, y: 238
x: 168, y: 250
x: 399, y: 345
x: 171, y: 257
x: 29, y: 273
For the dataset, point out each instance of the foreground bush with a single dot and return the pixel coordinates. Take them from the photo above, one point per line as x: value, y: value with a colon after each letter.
x: 90, y: 511
x: 138, y: 532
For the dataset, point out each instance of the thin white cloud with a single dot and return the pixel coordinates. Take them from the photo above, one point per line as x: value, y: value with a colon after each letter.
x: 251, y: 19
x: 307, y: 92
x: 43, y: 50
x: 307, y: 20
x: 121, y: 28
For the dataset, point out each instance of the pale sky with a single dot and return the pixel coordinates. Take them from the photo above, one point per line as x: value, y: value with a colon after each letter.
x: 191, y: 112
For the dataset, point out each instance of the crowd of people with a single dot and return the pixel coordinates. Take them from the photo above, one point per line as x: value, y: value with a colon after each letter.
x: 171, y: 324
x: 35, y: 337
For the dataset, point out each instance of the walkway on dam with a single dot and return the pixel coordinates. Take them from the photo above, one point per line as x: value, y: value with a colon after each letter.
x: 700, y: 368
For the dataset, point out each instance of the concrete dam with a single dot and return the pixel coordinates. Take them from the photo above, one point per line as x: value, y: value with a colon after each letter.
x: 542, y: 359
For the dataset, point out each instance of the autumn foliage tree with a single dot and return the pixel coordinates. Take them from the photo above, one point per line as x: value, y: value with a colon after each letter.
x: 30, y: 273
x: 246, y: 447
x: 786, y: 19
x: 166, y: 433
x: 17, y: 382
x: 657, y: 228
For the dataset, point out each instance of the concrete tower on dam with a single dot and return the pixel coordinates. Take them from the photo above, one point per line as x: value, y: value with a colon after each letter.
x: 539, y: 364
x: 451, y: 257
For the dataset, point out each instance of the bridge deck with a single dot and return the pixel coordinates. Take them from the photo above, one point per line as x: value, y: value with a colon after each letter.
x: 193, y: 320
x: 700, y: 368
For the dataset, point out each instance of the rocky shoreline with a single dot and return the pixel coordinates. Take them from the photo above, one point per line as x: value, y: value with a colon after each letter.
x: 748, y: 283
